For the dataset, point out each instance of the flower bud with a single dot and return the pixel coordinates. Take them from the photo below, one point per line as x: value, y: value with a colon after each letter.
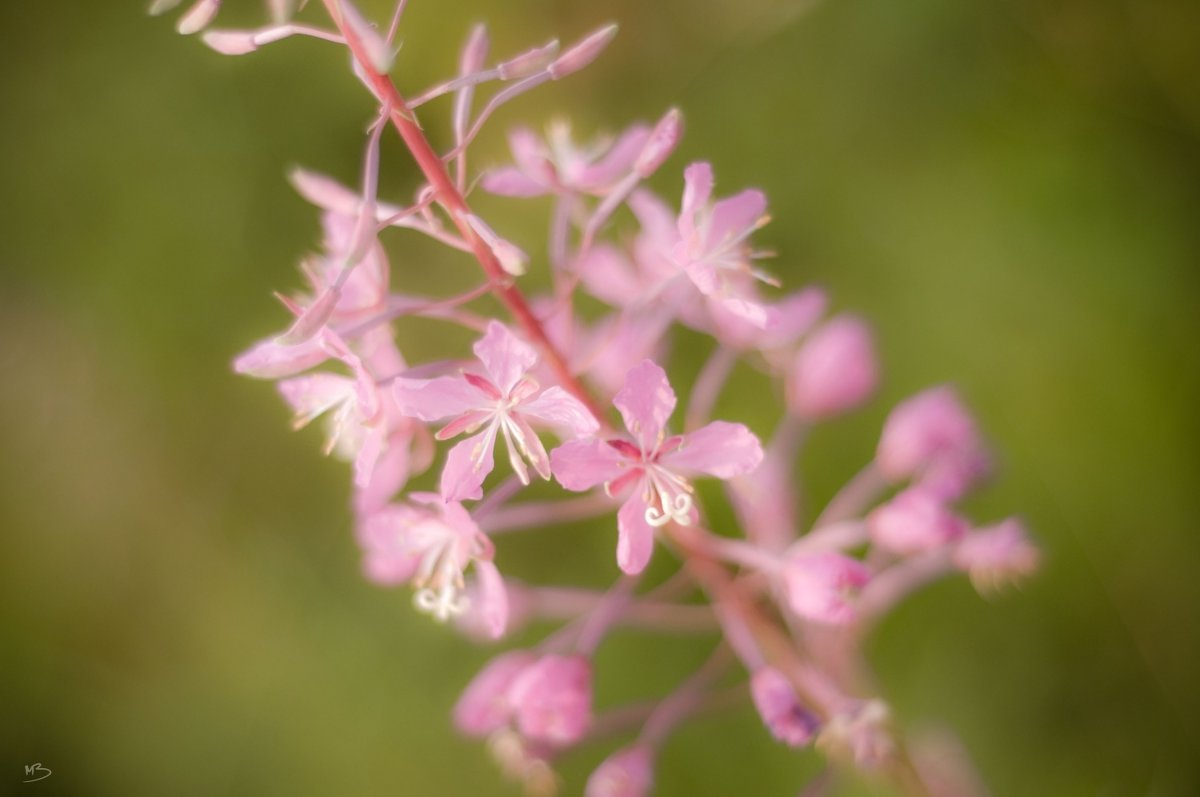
x: 932, y: 437
x: 821, y: 586
x: 484, y: 706
x: 231, y: 42
x: 660, y: 145
x: 834, y: 371
x: 528, y: 62
x: 625, y: 773
x: 582, y: 53
x: 997, y: 554
x: 780, y: 709
x: 915, y: 520
x: 552, y: 699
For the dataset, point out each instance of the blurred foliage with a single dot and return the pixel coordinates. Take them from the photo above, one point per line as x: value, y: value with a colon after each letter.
x: 1007, y: 189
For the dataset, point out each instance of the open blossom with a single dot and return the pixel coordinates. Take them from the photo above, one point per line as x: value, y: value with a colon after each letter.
x: 432, y: 545
x: 708, y: 243
x: 502, y: 401
x: 654, y: 465
x: 822, y: 586
x: 932, y: 439
x: 558, y: 165
x: 781, y: 711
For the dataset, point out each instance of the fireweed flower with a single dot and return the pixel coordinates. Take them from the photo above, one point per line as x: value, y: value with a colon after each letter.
x: 771, y: 577
x: 558, y: 165
x: 502, y: 400
x: 431, y: 545
x: 654, y: 465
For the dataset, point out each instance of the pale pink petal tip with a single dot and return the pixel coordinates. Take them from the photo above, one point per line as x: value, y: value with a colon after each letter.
x: 822, y: 586
x: 231, y: 42
x: 378, y: 50
x: 997, y: 555
x: 915, y: 520
x: 626, y: 773
x: 484, y: 706
x: 510, y: 257
x: 198, y: 17
x: 834, y: 371
x: 552, y: 699
x: 161, y: 7
x: 780, y: 709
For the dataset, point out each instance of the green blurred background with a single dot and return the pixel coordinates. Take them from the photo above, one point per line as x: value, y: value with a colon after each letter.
x: 1009, y: 190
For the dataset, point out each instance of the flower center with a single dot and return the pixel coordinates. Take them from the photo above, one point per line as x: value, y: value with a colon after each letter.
x: 669, y: 497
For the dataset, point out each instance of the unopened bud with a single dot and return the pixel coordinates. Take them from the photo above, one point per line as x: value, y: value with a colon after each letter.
x: 528, y: 62
x: 230, y: 42
x: 583, y: 53
x: 660, y: 145
x: 475, y: 51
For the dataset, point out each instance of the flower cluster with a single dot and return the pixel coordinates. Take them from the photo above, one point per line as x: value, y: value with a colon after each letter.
x: 788, y: 600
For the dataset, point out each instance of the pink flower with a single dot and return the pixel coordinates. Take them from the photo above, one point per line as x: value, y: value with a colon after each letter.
x: 997, y: 554
x: 552, y: 699
x: 433, y: 545
x: 707, y: 243
x: 834, y: 371
x: 352, y: 405
x: 502, y: 400
x: 931, y: 437
x: 557, y: 165
x: 484, y: 707
x: 915, y: 520
x: 654, y: 465
x: 822, y: 586
x: 780, y: 709
x: 626, y: 773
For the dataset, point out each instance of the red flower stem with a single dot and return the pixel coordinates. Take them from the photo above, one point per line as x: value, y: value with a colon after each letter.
x: 448, y: 196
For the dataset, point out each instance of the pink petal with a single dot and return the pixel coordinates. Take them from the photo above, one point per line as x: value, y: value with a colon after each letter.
x: 618, y: 161
x: 369, y: 453
x: 511, y: 181
x: 270, y: 359
x: 635, y: 537
x: 467, y: 465
x: 310, y: 396
x: 697, y: 189
x: 609, y: 276
x: 387, y: 478
x: 438, y: 398
x: 560, y: 409
x: 582, y: 464
x: 719, y: 449
x: 506, y: 358
x: 655, y: 217
x: 915, y: 520
x: 646, y: 402
x: 552, y: 699
x: 735, y: 216
x: 529, y: 153
x: 492, y: 599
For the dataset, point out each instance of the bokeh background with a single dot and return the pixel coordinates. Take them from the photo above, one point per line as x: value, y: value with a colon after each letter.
x: 1010, y: 191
